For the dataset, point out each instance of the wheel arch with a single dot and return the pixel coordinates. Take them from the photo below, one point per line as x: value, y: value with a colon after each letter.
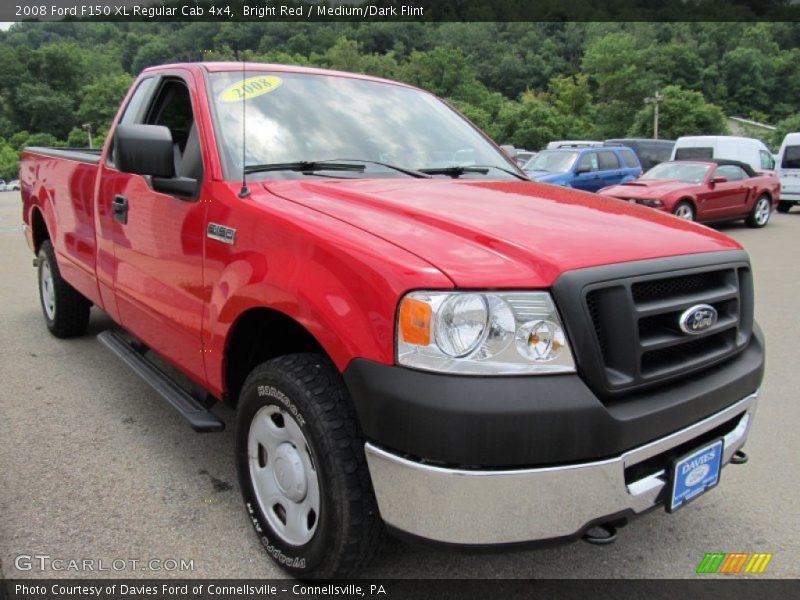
x: 690, y: 200
x: 39, y: 230
x: 259, y: 334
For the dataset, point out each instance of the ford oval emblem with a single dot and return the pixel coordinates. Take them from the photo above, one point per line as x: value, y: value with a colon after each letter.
x: 698, y: 319
x: 696, y: 475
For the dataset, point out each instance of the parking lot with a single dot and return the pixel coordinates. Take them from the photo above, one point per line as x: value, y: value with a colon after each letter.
x: 94, y: 466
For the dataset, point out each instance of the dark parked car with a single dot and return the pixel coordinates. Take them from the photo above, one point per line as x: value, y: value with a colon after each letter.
x: 649, y: 152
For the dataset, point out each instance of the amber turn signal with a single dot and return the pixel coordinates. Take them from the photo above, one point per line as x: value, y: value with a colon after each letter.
x: 415, y: 322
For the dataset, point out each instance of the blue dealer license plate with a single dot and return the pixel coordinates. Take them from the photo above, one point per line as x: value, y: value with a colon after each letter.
x: 694, y: 474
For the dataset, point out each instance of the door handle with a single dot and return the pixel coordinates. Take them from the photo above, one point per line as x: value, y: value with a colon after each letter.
x: 120, y: 205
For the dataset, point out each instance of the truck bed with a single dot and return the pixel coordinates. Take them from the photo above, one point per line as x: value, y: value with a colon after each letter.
x: 84, y: 155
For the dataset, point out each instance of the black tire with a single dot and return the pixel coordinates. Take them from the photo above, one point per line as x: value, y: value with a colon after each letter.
x: 69, y: 314
x: 685, y: 208
x: 784, y: 207
x: 757, y: 217
x: 349, y: 531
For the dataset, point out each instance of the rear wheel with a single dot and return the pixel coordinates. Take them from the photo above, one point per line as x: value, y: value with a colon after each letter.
x: 302, y: 469
x: 684, y: 210
x: 66, y: 311
x: 762, y: 209
x: 784, y: 207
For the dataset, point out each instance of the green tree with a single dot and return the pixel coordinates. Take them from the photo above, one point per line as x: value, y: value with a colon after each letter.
x: 443, y: 71
x: 747, y: 74
x: 532, y: 123
x: 619, y: 69
x: 78, y: 138
x: 9, y: 162
x: 682, y: 112
x: 787, y: 125
x: 40, y: 108
x: 100, y: 100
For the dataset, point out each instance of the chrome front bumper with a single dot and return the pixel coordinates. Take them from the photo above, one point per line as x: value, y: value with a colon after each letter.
x: 500, y: 507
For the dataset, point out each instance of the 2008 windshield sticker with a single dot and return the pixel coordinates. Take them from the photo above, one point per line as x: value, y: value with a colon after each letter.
x: 250, y: 88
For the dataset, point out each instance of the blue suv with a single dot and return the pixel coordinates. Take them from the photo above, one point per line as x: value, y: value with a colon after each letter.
x: 586, y: 169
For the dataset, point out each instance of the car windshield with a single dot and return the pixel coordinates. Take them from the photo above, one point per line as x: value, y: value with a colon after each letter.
x: 552, y: 161
x: 686, y: 172
x: 298, y: 118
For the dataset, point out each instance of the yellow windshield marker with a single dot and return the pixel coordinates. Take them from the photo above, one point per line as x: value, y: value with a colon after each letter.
x: 250, y: 88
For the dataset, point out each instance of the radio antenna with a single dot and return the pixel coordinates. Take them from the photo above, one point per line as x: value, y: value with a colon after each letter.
x: 245, y: 191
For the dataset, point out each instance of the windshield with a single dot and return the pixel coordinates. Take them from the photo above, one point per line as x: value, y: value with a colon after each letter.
x: 296, y: 117
x: 552, y: 161
x: 686, y: 172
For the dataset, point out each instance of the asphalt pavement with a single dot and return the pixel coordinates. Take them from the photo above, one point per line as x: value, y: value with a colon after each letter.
x: 93, y: 466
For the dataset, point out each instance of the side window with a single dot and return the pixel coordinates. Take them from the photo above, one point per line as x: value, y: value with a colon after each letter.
x: 172, y: 108
x: 134, y: 109
x: 133, y: 112
x: 791, y: 157
x: 607, y: 160
x: 732, y: 172
x: 588, y: 162
x: 689, y: 153
x: 629, y: 158
x: 767, y: 161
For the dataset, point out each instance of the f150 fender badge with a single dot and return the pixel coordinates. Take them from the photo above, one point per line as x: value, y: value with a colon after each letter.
x: 698, y: 319
x: 226, y: 235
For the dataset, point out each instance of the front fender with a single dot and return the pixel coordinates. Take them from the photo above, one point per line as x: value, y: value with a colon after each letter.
x: 339, y: 282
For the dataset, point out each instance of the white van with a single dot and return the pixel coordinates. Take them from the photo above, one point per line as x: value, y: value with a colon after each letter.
x: 747, y: 150
x: 789, y: 171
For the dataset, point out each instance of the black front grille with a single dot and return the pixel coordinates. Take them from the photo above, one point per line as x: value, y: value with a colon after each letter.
x: 634, y: 337
x: 688, y: 284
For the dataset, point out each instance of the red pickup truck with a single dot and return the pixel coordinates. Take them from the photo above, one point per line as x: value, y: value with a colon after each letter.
x: 415, y: 337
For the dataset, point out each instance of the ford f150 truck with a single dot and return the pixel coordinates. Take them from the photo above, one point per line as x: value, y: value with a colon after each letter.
x: 415, y: 337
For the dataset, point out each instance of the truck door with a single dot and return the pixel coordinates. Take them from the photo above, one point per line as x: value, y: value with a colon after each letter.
x: 158, y: 245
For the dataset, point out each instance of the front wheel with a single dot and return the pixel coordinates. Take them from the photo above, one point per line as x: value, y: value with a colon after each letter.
x: 302, y: 469
x: 684, y: 211
x: 759, y: 216
x: 66, y: 311
x: 784, y: 207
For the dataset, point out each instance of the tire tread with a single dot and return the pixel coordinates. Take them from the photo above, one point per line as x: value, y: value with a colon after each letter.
x: 72, y: 308
x: 335, y: 417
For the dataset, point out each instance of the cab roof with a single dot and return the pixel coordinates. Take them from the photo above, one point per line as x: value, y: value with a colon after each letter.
x: 232, y: 66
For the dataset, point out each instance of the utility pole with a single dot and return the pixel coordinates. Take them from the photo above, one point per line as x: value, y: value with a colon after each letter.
x: 87, y: 127
x: 655, y: 100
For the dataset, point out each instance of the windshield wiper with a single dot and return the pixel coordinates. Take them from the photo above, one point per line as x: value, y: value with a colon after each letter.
x: 457, y: 171
x: 411, y: 172
x: 305, y: 166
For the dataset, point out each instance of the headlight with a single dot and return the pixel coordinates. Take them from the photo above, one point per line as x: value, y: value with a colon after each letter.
x: 651, y: 202
x: 482, y: 333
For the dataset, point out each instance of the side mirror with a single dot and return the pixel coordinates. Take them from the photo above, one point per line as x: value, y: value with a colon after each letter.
x: 149, y: 150
x: 144, y: 150
x: 718, y: 179
x: 582, y: 170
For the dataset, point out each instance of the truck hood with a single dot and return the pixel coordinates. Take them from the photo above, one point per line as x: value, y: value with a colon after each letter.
x: 650, y: 188
x: 499, y: 233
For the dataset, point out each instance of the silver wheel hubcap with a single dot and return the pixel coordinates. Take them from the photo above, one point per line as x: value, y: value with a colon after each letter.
x: 48, y: 290
x: 762, y: 211
x: 684, y: 212
x: 284, y: 475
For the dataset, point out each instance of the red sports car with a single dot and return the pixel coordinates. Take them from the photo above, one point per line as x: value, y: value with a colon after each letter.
x: 704, y: 190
